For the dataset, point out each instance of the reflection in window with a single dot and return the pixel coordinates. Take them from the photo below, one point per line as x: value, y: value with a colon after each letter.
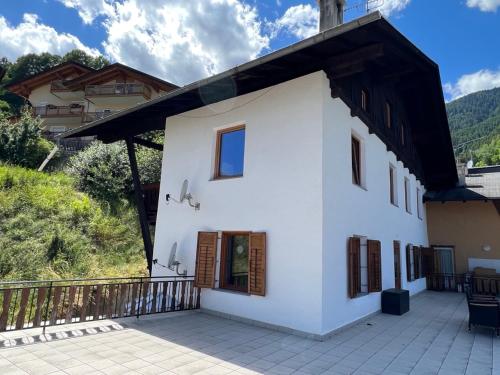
x: 230, y: 152
x: 234, y: 272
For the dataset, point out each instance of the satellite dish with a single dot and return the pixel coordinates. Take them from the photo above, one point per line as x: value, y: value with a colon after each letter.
x: 171, y: 259
x: 184, y: 189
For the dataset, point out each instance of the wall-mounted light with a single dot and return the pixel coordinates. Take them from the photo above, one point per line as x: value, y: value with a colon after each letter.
x: 486, y: 248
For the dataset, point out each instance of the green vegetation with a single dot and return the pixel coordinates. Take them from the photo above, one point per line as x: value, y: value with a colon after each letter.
x: 50, y: 230
x: 488, y: 153
x: 21, y: 142
x: 476, y: 116
x: 31, y: 64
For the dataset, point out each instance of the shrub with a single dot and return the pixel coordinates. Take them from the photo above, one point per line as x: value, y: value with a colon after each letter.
x: 21, y: 142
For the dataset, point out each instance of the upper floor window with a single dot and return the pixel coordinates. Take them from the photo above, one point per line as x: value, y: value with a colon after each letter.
x: 229, y: 153
x: 407, y: 195
x: 419, y: 203
x: 393, y: 185
x: 365, y: 100
x: 388, y: 114
x: 356, y: 160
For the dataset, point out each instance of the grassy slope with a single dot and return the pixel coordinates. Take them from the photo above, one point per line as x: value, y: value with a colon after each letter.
x: 50, y: 230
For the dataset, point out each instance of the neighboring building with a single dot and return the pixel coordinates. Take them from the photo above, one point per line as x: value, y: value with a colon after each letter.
x: 71, y: 94
x: 464, y: 223
x: 310, y: 165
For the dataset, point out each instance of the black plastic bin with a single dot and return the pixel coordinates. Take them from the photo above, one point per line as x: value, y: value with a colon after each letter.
x: 395, y: 301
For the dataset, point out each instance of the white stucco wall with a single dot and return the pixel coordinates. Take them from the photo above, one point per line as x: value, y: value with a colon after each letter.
x: 297, y: 187
x: 350, y: 210
x: 280, y: 193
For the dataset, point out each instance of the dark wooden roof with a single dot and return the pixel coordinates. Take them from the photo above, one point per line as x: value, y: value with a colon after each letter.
x: 369, y: 43
x: 481, y: 184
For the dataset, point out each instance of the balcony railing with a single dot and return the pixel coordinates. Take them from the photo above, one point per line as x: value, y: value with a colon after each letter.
x: 40, y: 304
x: 118, y: 89
x: 478, y: 284
x: 94, y: 116
x: 58, y: 111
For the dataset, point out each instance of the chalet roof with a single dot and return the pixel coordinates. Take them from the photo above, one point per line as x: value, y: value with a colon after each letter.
x: 23, y: 86
x: 369, y: 43
x: 117, y: 70
x: 480, y: 184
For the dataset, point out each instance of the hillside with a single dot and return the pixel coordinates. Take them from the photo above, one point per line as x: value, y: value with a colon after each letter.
x: 474, y: 116
x: 50, y: 230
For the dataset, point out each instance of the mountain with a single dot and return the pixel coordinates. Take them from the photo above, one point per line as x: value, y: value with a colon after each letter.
x: 474, y: 116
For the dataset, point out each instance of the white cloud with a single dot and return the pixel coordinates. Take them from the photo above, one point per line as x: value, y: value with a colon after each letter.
x: 390, y: 7
x: 31, y: 36
x: 484, y: 5
x: 180, y: 41
x: 467, y: 84
x: 301, y: 20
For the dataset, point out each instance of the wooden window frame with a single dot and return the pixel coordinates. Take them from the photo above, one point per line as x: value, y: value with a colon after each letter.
x: 220, y: 133
x: 355, y: 266
x: 357, y: 178
x: 223, y: 257
x: 393, y: 191
x: 407, y: 195
x: 388, y: 114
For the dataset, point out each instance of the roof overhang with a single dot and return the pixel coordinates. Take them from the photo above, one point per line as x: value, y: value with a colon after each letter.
x: 369, y: 42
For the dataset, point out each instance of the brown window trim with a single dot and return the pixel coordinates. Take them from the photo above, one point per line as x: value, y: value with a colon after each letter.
x: 223, y: 255
x: 221, y: 132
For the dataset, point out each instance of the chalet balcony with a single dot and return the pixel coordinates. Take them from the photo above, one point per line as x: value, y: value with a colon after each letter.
x: 59, y: 89
x: 94, y: 116
x: 58, y: 111
x: 124, y: 94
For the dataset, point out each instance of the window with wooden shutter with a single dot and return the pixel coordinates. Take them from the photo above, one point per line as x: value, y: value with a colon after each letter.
x: 257, y: 264
x: 206, y: 254
x: 408, y: 263
x: 354, y: 266
x: 427, y: 255
x: 416, y: 262
x: 374, y: 266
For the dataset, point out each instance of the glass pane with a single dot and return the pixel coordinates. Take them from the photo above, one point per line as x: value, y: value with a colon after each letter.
x: 237, y: 262
x: 232, y: 149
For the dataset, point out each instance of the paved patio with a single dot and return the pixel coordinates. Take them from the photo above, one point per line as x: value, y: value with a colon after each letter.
x: 431, y: 339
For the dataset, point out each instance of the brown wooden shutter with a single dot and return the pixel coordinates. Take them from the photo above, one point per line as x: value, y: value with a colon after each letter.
x: 427, y: 254
x: 354, y: 266
x: 416, y: 262
x: 374, y: 266
x: 257, y: 264
x: 206, y: 254
x: 408, y: 262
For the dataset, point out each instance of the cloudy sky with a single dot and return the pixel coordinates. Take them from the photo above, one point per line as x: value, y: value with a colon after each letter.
x: 185, y: 40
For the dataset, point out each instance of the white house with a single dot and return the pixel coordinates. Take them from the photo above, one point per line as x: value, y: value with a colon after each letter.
x: 309, y: 165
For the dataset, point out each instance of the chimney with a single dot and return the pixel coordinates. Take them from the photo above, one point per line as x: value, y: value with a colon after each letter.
x: 331, y: 13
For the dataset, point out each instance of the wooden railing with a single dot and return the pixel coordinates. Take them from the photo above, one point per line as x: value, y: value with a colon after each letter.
x: 58, y: 111
x: 446, y: 282
x: 93, y: 116
x: 118, y: 89
x: 40, y: 304
x: 478, y: 284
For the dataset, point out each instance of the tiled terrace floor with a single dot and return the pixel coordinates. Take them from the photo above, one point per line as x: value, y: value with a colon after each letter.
x: 432, y: 338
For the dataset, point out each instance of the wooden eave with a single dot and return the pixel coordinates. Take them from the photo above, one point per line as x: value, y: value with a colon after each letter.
x: 119, y: 71
x: 61, y: 71
x: 369, y: 44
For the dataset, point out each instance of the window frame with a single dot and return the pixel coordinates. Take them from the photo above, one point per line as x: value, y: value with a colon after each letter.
x: 393, y: 185
x: 407, y: 195
x: 359, y: 181
x: 218, y: 144
x: 403, y: 138
x: 365, y: 100
x: 419, y: 204
x: 223, y: 258
x: 363, y: 285
x: 388, y: 114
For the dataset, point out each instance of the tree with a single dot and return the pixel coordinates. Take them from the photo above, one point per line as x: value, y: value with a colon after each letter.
x: 489, y: 153
x: 21, y: 142
x: 82, y: 57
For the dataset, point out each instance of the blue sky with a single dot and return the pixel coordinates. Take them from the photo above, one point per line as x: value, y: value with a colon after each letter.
x: 184, y: 41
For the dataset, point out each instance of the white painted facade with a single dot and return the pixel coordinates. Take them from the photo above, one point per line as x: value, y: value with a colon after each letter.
x: 297, y: 187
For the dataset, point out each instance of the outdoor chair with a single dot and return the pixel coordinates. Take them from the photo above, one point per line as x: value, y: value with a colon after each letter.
x: 484, y: 313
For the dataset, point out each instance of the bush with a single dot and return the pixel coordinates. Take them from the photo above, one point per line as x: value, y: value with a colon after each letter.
x: 21, y: 142
x: 488, y: 153
x: 103, y: 170
x: 50, y: 230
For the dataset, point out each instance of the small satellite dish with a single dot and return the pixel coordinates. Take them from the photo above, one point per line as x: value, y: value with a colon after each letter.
x: 470, y: 164
x: 171, y: 259
x: 184, y: 190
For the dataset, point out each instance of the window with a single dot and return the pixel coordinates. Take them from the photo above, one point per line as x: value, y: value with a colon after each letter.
x: 234, y: 261
x: 413, y: 263
x: 403, y: 134
x: 365, y: 100
x: 356, y: 161
x: 419, y: 203
x: 364, y: 266
x: 230, y: 150
x: 242, y: 265
x: 407, y: 195
x: 388, y: 114
x: 393, y: 185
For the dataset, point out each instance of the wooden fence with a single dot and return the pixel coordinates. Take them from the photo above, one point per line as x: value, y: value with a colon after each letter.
x: 479, y: 284
x: 35, y: 304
